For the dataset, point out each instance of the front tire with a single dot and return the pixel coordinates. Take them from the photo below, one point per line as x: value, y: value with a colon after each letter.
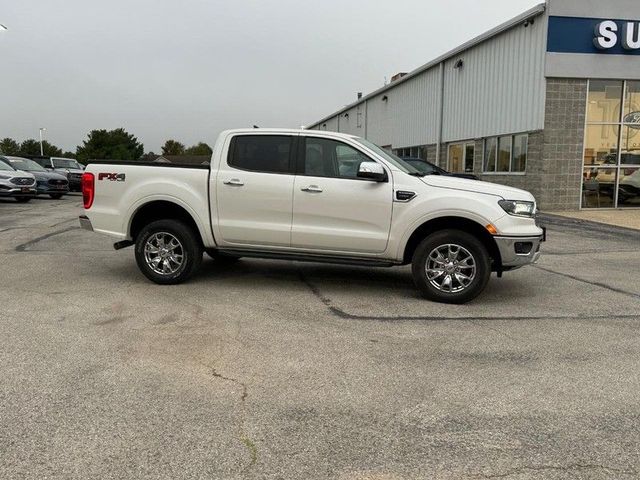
x: 56, y: 196
x: 451, y: 266
x: 23, y: 199
x: 168, y: 252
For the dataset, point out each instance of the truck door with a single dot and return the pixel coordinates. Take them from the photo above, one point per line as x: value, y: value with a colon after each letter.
x: 254, y: 191
x: 333, y: 209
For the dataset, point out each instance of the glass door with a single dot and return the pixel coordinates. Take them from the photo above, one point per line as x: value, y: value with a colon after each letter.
x: 611, y: 165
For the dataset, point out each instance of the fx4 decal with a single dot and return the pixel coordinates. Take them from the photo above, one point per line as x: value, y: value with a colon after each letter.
x: 113, y: 177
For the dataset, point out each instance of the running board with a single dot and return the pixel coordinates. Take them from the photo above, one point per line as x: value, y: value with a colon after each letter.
x: 308, y: 257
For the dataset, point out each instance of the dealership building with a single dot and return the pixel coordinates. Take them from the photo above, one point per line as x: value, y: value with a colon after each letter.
x: 548, y: 102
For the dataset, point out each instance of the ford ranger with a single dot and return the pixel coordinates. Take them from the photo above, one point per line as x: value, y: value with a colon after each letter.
x: 313, y: 196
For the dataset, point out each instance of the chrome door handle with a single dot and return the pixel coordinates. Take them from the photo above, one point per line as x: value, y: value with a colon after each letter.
x: 234, y: 182
x: 312, y: 189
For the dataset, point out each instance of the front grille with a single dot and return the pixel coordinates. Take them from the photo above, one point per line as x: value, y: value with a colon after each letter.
x: 22, y: 181
x: 42, y: 183
x: 56, y: 182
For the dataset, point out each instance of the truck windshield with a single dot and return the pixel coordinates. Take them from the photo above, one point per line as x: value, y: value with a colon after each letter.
x: 65, y: 163
x: 390, y: 157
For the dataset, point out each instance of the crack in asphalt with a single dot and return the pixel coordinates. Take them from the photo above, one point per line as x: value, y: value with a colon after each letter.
x: 567, y: 468
x: 589, y: 282
x: 30, y: 243
x: 340, y: 313
x: 243, y: 436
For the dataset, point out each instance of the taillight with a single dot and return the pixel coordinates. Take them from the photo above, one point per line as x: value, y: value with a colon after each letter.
x: 88, y: 189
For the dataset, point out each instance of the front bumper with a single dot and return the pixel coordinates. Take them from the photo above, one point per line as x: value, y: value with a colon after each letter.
x: 47, y: 189
x: 517, y: 252
x: 85, y: 223
x: 18, y: 192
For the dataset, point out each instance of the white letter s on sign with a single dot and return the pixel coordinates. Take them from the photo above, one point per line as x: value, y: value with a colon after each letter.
x: 606, y: 36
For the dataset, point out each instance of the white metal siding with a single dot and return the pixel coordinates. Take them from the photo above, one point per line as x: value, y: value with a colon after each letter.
x: 409, y: 116
x: 501, y: 87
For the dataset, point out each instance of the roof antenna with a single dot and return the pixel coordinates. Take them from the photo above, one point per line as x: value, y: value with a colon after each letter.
x: 256, y: 126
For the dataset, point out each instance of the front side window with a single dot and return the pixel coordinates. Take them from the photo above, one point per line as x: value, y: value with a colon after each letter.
x: 261, y: 153
x: 329, y: 158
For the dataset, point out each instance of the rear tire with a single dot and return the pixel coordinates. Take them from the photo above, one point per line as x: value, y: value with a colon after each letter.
x: 168, y: 252
x: 451, y: 266
x: 23, y: 199
x: 56, y: 196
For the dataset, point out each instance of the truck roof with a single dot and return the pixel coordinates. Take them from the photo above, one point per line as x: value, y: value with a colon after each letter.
x: 319, y: 133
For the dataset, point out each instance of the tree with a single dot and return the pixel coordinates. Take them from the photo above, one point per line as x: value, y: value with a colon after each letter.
x: 199, y: 149
x: 8, y: 146
x: 172, y: 147
x: 115, y: 144
x: 32, y: 147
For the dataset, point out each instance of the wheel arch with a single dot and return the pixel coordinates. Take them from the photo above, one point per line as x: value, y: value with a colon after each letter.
x: 453, y: 223
x: 161, y: 210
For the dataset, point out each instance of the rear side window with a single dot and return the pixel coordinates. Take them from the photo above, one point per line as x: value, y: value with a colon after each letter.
x: 261, y: 153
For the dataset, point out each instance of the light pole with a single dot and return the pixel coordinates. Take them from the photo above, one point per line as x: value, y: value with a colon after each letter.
x: 41, y: 150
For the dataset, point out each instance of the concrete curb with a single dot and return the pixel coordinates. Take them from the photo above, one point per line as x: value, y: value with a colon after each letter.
x: 560, y: 220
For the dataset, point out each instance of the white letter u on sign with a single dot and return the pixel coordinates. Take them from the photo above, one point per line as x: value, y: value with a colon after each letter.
x: 631, y: 36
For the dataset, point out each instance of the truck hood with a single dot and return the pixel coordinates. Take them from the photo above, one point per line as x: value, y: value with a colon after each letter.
x: 507, y: 193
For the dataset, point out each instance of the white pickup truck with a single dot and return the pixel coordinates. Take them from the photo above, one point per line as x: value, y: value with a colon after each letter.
x: 312, y: 196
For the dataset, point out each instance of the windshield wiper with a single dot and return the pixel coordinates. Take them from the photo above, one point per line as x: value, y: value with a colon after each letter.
x: 418, y: 174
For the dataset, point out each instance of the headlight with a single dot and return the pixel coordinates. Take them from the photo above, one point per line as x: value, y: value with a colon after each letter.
x: 4, y: 177
x: 518, y: 208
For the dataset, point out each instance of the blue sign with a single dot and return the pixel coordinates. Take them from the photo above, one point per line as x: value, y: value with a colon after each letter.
x: 592, y: 35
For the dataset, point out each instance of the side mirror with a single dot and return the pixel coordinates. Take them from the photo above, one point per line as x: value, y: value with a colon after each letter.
x: 372, y: 171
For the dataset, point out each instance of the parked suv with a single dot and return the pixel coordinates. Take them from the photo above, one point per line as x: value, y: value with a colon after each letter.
x: 68, y: 167
x: 48, y: 183
x: 17, y: 184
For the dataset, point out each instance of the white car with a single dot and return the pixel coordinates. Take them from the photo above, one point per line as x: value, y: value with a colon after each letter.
x: 16, y: 183
x: 290, y: 194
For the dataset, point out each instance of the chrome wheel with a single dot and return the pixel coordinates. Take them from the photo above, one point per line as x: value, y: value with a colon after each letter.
x: 450, y: 268
x: 163, y: 253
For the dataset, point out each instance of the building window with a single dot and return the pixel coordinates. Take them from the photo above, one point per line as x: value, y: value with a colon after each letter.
x: 506, y: 154
x: 461, y: 157
x: 611, y: 162
x: 412, y: 152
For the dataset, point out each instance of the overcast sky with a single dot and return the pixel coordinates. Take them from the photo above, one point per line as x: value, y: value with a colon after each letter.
x: 187, y: 69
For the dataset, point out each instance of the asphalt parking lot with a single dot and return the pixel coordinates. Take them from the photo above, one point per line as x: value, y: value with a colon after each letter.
x: 303, y: 371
